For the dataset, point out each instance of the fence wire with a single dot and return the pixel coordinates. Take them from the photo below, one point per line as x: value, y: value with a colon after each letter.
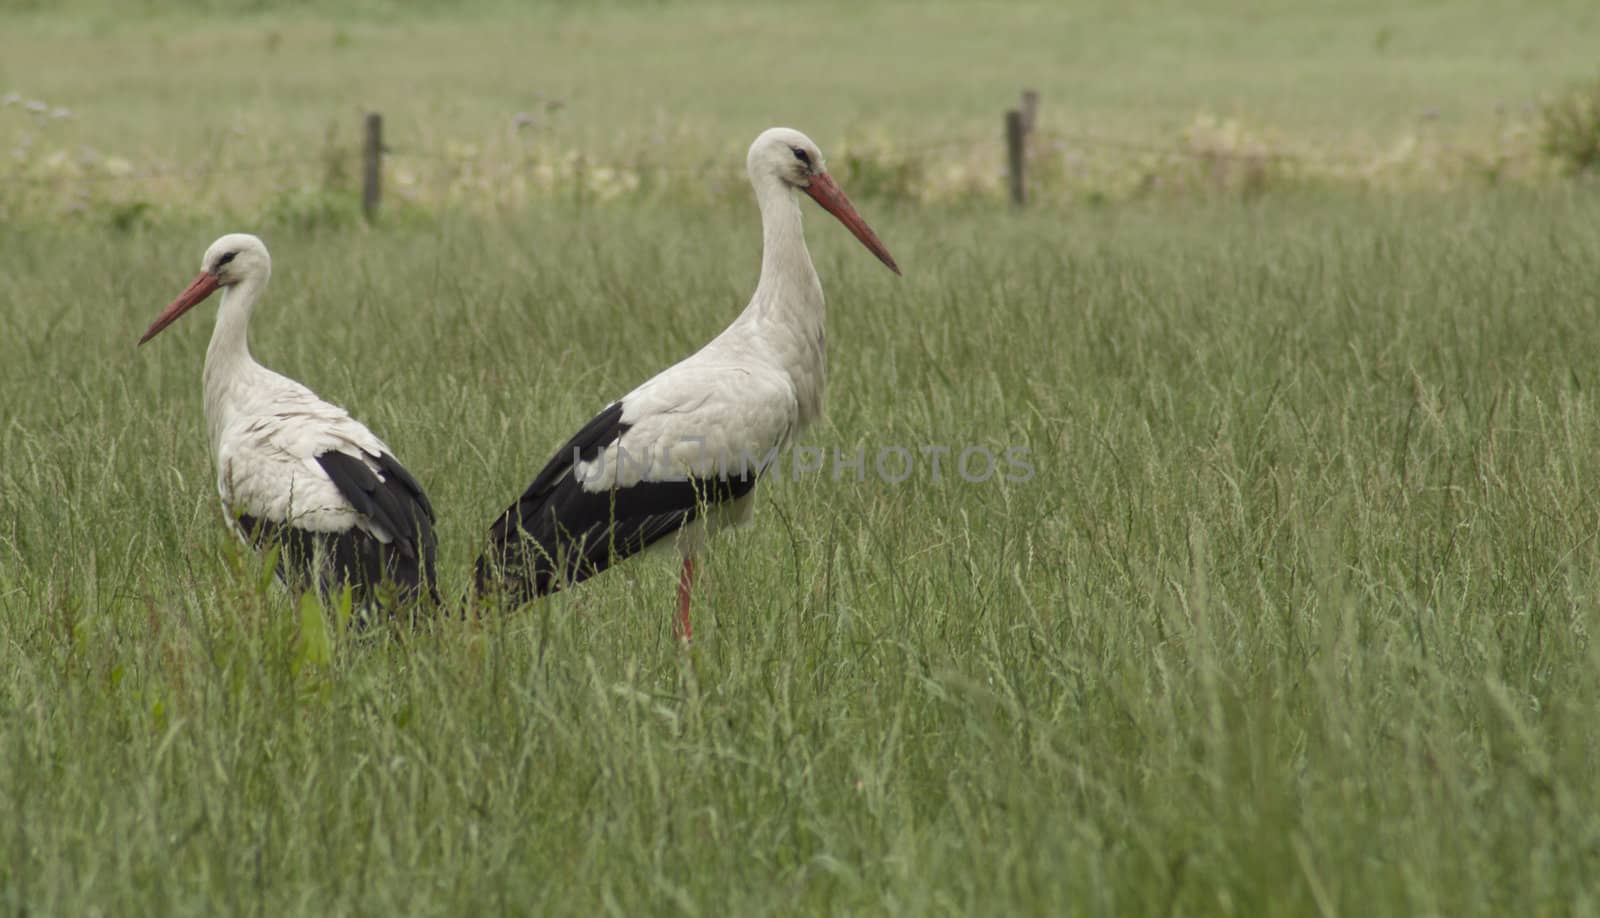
x: 90, y: 174
x: 1040, y: 143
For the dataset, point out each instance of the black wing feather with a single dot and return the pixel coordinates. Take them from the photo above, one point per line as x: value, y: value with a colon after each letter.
x: 558, y: 532
x: 317, y: 560
x: 396, y: 503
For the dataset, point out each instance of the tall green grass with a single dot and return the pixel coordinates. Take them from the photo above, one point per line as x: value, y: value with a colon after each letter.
x: 1294, y: 617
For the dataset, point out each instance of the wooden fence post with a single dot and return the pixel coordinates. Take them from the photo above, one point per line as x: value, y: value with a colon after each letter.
x: 1014, y: 158
x: 1030, y: 109
x: 372, y: 166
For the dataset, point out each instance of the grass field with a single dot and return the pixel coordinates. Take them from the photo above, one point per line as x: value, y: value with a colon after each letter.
x: 1295, y: 617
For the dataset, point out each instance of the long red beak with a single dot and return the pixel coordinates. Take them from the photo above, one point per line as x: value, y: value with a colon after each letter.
x: 202, y: 287
x: 824, y: 191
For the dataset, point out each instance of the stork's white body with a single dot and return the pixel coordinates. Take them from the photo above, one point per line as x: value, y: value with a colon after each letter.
x: 750, y: 390
x: 266, y: 431
x: 619, y: 486
x: 292, y: 468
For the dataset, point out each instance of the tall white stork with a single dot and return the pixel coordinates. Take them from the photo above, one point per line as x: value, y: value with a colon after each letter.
x: 679, y: 456
x: 295, y: 471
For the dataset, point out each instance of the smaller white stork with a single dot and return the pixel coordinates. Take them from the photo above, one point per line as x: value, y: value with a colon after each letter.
x: 678, y: 457
x: 295, y: 471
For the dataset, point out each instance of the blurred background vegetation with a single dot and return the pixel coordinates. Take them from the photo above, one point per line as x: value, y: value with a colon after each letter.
x: 121, y: 111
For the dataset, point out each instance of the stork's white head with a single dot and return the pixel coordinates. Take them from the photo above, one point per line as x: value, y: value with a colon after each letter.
x: 785, y: 154
x: 790, y: 158
x: 233, y: 259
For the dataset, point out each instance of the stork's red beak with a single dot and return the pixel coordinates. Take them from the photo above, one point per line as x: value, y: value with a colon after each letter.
x: 203, y: 286
x: 824, y: 191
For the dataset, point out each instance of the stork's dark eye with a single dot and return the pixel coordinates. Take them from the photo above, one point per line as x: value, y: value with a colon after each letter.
x: 226, y: 258
x: 801, y: 155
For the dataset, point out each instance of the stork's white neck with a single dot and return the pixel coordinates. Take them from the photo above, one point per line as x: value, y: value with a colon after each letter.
x: 229, y: 365
x: 787, y: 313
x: 785, y: 262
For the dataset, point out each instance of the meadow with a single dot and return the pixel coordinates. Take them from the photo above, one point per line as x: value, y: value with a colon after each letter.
x: 1294, y: 616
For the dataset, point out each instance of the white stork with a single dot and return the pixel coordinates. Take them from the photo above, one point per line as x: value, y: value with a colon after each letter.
x: 295, y: 471
x: 679, y: 456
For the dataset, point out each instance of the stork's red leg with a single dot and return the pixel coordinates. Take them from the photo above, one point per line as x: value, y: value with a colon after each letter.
x: 685, y: 582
